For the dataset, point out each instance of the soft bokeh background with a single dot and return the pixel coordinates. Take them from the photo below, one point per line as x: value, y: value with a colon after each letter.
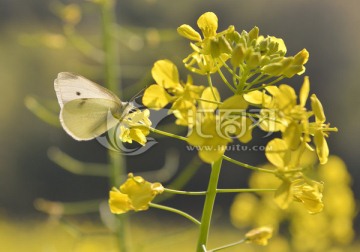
x: 31, y: 55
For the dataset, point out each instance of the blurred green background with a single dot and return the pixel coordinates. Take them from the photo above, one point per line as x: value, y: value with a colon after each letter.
x: 32, y: 52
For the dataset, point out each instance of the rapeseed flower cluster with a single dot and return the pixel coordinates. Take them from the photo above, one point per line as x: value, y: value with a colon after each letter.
x: 320, y: 232
x: 254, y: 61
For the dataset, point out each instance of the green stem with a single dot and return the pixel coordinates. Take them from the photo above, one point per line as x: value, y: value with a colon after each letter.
x: 211, y: 86
x: 231, y: 71
x: 110, y: 46
x: 117, y: 171
x: 168, y: 134
x: 226, y: 81
x: 177, y: 211
x: 209, y: 101
x: 242, y: 81
x: 238, y: 190
x: 265, y: 85
x: 258, y: 80
x: 185, y: 175
x: 227, y: 246
x: 116, y: 161
x: 41, y: 111
x: 227, y: 190
x: 247, y: 165
x: 184, y: 192
x: 209, y: 204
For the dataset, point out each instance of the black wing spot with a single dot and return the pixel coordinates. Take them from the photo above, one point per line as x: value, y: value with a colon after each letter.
x: 78, y: 93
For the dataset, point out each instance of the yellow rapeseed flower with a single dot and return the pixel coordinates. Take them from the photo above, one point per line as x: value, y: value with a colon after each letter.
x: 294, y: 187
x: 135, y: 127
x: 280, y: 112
x: 208, y: 24
x: 169, y: 89
x: 211, y: 132
x: 205, y: 135
x: 135, y: 194
x: 210, y: 50
x: 310, y: 194
x: 329, y: 230
x: 234, y: 121
x: 306, y: 191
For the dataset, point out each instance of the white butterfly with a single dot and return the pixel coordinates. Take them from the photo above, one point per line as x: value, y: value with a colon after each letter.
x: 87, y: 109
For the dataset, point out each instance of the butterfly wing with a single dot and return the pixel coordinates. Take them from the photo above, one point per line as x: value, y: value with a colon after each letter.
x: 69, y: 86
x: 85, y: 119
x: 87, y: 109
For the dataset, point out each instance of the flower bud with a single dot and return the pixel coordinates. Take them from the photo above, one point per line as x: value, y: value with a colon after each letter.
x: 253, y: 60
x: 238, y: 55
x: 254, y: 33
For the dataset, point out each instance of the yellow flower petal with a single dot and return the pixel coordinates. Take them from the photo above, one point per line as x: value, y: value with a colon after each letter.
x: 139, y: 134
x: 278, y: 153
x: 210, y: 154
x: 208, y: 138
x: 270, y: 121
x: 165, y: 74
x: 322, y: 148
x: 192, y: 92
x: 309, y: 193
x: 188, y: 98
x: 301, y: 57
x: 304, y: 91
x: 235, y: 102
x: 292, y: 135
x: 208, y: 23
x: 119, y: 203
x: 124, y: 135
x: 317, y: 109
x: 156, y: 97
x: 208, y: 94
x: 140, y: 191
x: 280, y: 42
x: 257, y: 97
x: 185, y: 117
x: 233, y: 119
x: 246, y: 131
x: 188, y: 32
x: 284, y: 195
x: 286, y: 99
x: 182, y: 105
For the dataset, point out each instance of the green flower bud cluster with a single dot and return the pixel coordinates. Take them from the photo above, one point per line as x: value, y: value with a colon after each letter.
x: 254, y: 58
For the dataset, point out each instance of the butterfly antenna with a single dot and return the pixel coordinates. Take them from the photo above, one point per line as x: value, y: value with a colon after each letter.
x: 138, y: 94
